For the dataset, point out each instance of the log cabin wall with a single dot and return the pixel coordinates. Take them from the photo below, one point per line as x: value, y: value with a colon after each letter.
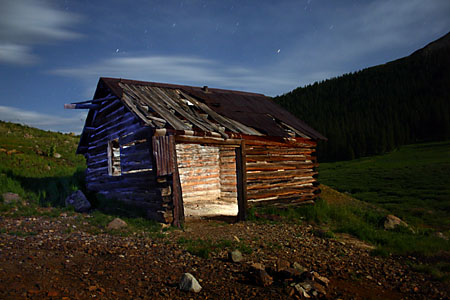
x: 199, y: 171
x: 281, y: 174
x: 119, y: 161
x: 208, y: 179
x: 227, y: 161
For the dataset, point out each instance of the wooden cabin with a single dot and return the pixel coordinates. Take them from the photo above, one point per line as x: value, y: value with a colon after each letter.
x: 177, y: 151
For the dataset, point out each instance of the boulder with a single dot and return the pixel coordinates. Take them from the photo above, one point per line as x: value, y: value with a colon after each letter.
x: 391, y: 222
x: 78, y: 201
x: 235, y: 256
x: 260, y: 276
x: 188, y: 283
x: 11, y: 198
x: 116, y: 224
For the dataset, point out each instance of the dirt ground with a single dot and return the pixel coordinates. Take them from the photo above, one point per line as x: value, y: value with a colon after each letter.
x: 58, y: 258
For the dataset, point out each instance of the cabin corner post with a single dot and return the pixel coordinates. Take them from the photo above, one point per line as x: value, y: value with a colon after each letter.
x: 241, y: 181
x: 177, y: 195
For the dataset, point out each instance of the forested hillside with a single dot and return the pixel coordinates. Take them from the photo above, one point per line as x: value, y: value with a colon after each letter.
x: 379, y: 108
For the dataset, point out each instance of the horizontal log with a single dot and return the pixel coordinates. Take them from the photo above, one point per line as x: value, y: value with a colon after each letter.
x: 151, y: 188
x: 135, y: 167
x: 277, y: 158
x: 98, y: 163
x: 123, y: 118
x: 95, y: 145
x: 103, y: 120
x: 104, y: 177
x: 282, y: 152
x: 273, y: 167
x: 281, y: 203
x: 108, y: 107
x: 136, y: 156
x: 143, y: 132
x: 279, y: 174
x: 200, y: 180
x: 157, y: 204
x: 268, y: 186
x: 291, y: 198
x: 276, y: 143
x: 206, y: 140
x: 279, y: 192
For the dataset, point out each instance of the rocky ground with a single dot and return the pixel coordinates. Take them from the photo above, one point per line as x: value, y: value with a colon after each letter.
x: 62, y: 258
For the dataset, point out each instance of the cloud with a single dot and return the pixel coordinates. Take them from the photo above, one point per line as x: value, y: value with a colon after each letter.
x: 183, y: 70
x: 16, y: 54
x: 26, y: 23
x: 43, y: 121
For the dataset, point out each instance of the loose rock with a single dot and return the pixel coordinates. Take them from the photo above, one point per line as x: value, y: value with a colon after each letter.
x: 235, y: 256
x: 78, y: 201
x: 392, y: 222
x: 282, y: 265
x: 11, y: 198
x: 263, y: 278
x: 188, y: 283
x: 299, y: 267
x: 116, y: 224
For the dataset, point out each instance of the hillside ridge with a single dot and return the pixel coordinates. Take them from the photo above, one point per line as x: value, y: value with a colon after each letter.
x: 377, y: 109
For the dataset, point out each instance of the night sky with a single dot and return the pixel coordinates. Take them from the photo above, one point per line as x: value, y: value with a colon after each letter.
x: 53, y: 52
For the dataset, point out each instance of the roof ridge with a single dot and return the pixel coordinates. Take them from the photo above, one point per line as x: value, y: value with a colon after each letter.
x: 112, y: 80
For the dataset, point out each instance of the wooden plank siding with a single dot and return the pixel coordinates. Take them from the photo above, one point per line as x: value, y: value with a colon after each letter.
x: 280, y: 173
x: 136, y: 185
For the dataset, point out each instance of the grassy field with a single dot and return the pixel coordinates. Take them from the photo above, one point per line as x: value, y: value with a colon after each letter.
x: 31, y: 166
x: 412, y: 182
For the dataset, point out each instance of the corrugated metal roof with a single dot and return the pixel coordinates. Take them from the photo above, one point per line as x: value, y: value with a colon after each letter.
x: 183, y: 107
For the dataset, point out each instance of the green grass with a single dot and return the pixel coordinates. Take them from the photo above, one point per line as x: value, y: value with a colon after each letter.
x: 98, y: 222
x: 30, y: 169
x: 412, y: 182
x: 366, y: 223
x: 204, y: 248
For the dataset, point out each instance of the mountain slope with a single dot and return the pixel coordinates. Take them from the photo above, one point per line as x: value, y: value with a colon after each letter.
x: 379, y: 108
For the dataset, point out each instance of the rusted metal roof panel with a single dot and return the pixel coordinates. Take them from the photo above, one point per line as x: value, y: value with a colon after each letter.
x: 183, y: 107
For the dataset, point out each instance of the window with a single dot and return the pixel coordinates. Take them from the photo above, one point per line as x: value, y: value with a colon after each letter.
x: 114, y: 158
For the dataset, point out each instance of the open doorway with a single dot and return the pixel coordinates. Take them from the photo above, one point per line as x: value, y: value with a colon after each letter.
x: 208, y: 179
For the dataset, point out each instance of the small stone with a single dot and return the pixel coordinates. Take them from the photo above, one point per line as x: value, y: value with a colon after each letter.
x: 319, y: 288
x: 235, y: 256
x: 257, y: 266
x: 290, y: 291
x: 116, y: 224
x: 282, y: 265
x: 11, y: 198
x: 263, y: 278
x: 290, y: 273
x: 299, y: 267
x: 188, y: 283
x: 301, y: 291
x: 78, y: 201
x: 442, y: 236
x: 57, y: 155
x: 306, y: 285
x: 321, y: 279
x: 392, y: 222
